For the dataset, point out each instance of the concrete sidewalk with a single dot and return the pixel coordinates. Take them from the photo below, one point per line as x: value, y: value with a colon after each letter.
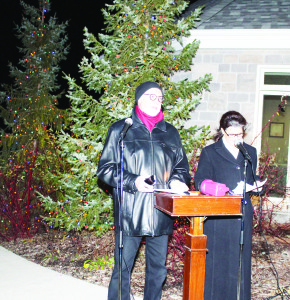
x: 25, y: 280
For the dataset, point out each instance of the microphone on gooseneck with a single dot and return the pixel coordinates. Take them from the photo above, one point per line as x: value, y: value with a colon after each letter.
x: 241, y: 147
x: 128, y: 123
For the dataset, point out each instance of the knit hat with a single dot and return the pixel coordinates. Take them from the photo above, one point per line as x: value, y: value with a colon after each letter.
x: 142, y: 88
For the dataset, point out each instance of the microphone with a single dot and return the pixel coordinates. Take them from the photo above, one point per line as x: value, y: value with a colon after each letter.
x: 240, y: 146
x: 127, y: 125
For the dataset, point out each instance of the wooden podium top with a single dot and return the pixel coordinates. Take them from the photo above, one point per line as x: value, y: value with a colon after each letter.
x: 198, y: 205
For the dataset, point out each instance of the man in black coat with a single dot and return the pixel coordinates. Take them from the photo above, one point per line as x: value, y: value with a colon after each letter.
x: 152, y: 147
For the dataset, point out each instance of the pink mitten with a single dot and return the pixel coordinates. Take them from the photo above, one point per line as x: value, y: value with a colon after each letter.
x: 209, y: 187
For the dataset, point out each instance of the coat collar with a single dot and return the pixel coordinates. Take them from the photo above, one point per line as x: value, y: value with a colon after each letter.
x: 225, y: 153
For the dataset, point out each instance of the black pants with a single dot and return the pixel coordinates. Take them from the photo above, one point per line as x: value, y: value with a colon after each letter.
x: 156, y: 250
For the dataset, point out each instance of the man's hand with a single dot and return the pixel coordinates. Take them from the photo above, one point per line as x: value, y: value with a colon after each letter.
x: 178, y: 186
x: 142, y: 186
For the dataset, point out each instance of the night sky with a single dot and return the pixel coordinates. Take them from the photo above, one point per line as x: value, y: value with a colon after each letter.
x: 80, y: 14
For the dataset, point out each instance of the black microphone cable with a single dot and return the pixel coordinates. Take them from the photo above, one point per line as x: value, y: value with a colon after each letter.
x: 283, y: 292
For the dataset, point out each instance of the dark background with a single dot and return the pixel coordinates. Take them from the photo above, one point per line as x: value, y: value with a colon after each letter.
x: 80, y: 14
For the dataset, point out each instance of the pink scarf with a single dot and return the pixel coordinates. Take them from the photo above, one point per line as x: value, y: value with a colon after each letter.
x: 147, y: 120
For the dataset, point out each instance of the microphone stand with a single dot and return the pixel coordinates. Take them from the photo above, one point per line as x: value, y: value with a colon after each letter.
x: 242, y: 230
x: 122, y: 146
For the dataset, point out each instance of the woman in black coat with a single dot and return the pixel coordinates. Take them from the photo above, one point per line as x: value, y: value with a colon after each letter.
x: 222, y: 162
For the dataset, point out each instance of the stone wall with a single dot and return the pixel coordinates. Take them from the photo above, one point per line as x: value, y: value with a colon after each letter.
x: 234, y: 84
x: 233, y: 57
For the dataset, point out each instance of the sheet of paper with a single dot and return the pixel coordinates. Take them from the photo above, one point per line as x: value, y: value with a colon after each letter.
x: 176, y: 192
x: 240, y: 187
x: 252, y: 187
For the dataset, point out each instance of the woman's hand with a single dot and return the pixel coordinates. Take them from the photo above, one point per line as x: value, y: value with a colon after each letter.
x: 260, y: 189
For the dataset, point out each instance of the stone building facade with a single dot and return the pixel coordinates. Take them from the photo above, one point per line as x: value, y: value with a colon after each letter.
x: 245, y: 45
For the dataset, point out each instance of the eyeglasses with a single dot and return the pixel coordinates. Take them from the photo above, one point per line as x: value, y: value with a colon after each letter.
x: 240, y: 135
x: 153, y: 97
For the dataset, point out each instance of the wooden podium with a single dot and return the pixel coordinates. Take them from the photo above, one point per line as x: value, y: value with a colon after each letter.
x: 196, y: 206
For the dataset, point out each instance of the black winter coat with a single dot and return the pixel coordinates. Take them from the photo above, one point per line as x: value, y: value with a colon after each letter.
x: 160, y: 153
x: 223, y: 233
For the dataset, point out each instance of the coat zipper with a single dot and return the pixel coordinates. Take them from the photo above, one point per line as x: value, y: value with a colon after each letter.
x: 152, y: 197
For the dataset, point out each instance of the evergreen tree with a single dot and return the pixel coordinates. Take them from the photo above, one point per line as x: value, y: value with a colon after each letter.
x: 30, y: 105
x: 30, y: 114
x: 136, y: 47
